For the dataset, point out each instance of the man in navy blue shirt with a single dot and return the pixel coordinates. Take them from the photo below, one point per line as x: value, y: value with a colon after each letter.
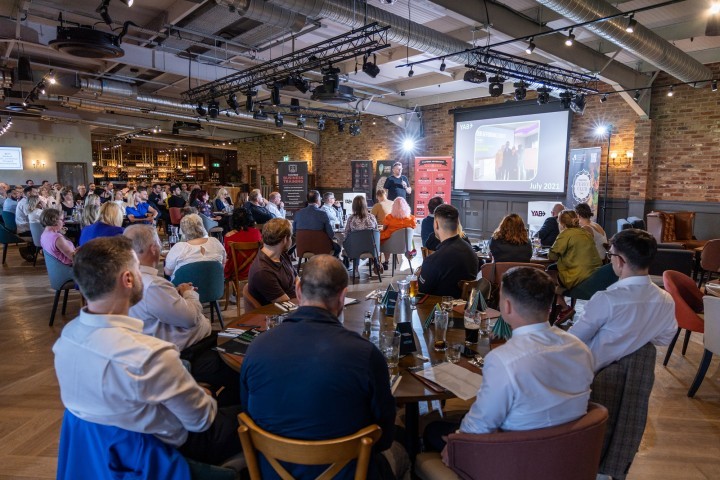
x: 313, y: 217
x: 397, y: 184
x: 312, y: 379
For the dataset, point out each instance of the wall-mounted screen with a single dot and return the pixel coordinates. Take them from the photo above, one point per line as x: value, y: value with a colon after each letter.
x: 11, y: 158
x: 520, y: 147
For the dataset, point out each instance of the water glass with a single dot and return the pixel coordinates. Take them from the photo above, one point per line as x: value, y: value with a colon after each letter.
x: 446, y: 303
x: 402, y: 287
x: 272, y: 321
x: 390, y: 347
x: 453, y: 352
x: 440, y: 330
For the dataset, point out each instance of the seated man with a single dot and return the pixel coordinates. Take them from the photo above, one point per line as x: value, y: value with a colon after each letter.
x: 328, y: 207
x: 631, y: 312
x: 454, y: 259
x: 540, y: 378
x: 550, y: 228
x: 426, y: 227
x: 110, y: 373
x: 170, y: 313
x: 337, y: 381
x: 256, y: 206
x: 275, y: 205
x: 313, y: 217
x: 272, y: 276
x: 21, y: 212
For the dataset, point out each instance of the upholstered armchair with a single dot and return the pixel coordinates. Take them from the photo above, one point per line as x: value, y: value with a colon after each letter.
x: 674, y: 227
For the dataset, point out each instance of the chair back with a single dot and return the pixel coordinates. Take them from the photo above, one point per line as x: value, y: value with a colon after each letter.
x: 251, y: 303
x: 208, y: 277
x: 495, y: 270
x: 624, y: 387
x: 599, y: 280
x: 712, y: 323
x: 312, y: 242
x: 337, y: 452
x: 710, y: 256
x: 176, y: 215
x: 672, y: 258
x: 208, y: 222
x: 637, y: 222
x: 362, y: 244
x: 9, y: 220
x: 242, y: 254
x: 622, y: 224
x: 58, y: 272
x: 565, y: 452
x: 36, y: 230
x: 103, y: 452
x: 688, y: 300
x: 466, y: 287
x: 7, y: 236
x: 399, y: 242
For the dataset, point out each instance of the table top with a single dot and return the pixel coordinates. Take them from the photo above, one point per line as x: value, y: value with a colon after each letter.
x: 410, y: 388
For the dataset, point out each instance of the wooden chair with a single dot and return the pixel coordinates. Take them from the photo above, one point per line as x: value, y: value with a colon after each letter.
x: 311, y: 242
x: 175, y: 215
x: 337, y: 452
x: 242, y: 254
x: 709, y: 261
x: 466, y: 287
x: 251, y: 303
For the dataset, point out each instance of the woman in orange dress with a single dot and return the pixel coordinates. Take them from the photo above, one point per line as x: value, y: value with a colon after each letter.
x: 398, y: 218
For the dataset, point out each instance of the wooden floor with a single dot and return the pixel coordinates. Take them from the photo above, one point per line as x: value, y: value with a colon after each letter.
x: 682, y: 438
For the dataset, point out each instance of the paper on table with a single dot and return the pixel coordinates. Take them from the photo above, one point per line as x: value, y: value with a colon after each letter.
x: 460, y: 381
x: 351, y: 301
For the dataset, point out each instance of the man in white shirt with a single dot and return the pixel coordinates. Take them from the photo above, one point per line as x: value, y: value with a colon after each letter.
x: 275, y: 205
x: 173, y: 314
x: 110, y: 373
x: 327, y: 207
x: 21, y: 212
x: 540, y: 378
x: 631, y: 312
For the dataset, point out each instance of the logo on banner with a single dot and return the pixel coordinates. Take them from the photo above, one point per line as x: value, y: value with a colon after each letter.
x: 581, y: 186
x: 292, y: 168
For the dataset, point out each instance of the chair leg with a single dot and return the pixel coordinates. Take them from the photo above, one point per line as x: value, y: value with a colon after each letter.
x: 216, y: 304
x: 212, y: 313
x: 5, y: 245
x: 393, y: 266
x: 377, y: 267
x: 671, y: 346
x: 65, y: 297
x: 54, y: 309
x: 685, y: 343
x: 227, y: 294
x: 702, y: 370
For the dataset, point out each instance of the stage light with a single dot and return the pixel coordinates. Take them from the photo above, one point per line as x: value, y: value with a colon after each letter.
x: 321, y: 123
x: 543, y: 95
x: 496, y: 86
x: 670, y: 91
x: 411, y: 73
x: 213, y: 108
x: 51, y: 78
x: 530, y: 47
x: 279, y: 120
x: 371, y: 68
x: 578, y: 104
x: 201, y: 110
x: 631, y: 24
x: 301, y: 121
x: 713, y: 85
x: 275, y: 94
x: 443, y: 66
x: 41, y: 87
x: 232, y: 102
x: 565, y: 99
x: 637, y: 96
x: 129, y: 3
x: 473, y: 76
x: 570, y: 38
x: 341, y: 125
x: 354, y: 129
x: 302, y: 84
x: 408, y: 144
x: 249, y: 102
x: 260, y: 115
x: 520, y: 91
x: 714, y: 8
x: 604, y: 98
x: 294, y: 104
x: 602, y: 130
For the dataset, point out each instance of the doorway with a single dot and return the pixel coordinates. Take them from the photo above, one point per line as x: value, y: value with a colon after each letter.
x: 72, y: 173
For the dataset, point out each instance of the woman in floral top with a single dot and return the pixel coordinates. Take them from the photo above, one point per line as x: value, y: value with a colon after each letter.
x: 360, y: 219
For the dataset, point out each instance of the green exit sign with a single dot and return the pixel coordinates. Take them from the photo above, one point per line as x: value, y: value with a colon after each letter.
x: 286, y: 158
x: 216, y: 165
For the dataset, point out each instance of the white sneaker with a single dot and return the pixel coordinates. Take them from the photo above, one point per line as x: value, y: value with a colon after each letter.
x: 233, y: 299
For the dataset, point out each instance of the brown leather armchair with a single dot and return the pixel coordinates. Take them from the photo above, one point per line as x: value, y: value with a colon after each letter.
x: 674, y: 227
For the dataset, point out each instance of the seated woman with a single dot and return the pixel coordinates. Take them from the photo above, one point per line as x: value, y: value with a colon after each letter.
x: 47, y: 197
x: 52, y: 240
x: 243, y: 230
x: 196, y: 247
x: 67, y: 202
x: 92, y: 199
x: 509, y: 242
x: 120, y: 201
x: 222, y: 201
x: 599, y: 236
x: 398, y: 218
x: 90, y: 214
x: 360, y: 219
x: 139, y: 211
x: 203, y: 205
x: 34, y: 208
x: 108, y: 224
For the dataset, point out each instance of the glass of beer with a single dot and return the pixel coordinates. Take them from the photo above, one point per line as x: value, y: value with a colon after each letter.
x: 446, y: 303
x: 441, y: 323
x: 472, y: 327
x: 412, y: 290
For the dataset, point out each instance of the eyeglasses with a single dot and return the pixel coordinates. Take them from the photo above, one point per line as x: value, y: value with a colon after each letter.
x: 609, y: 256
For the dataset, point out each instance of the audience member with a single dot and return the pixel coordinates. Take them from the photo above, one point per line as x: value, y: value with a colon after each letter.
x: 34, y: 208
x: 176, y: 199
x: 108, y: 224
x: 256, y: 206
x: 382, y: 206
x: 509, y: 241
x: 222, y: 201
x: 313, y: 360
x: 90, y: 214
x: 4, y: 187
x: 120, y: 201
x: 272, y: 277
x: 184, y: 192
x: 52, y: 240
x: 67, y: 202
x: 397, y: 185
x: 574, y: 251
x: 599, y: 236
x: 360, y: 219
x: 398, y: 218
x: 328, y: 207
x: 11, y: 200
x: 549, y: 230
x: 631, y: 312
x: 203, y: 206
x: 81, y: 194
x: 108, y: 193
x: 275, y: 205
x: 92, y: 199
x: 139, y: 210
x: 313, y: 217
x: 197, y: 247
x: 21, y: 211
x: 243, y: 230
x: 112, y: 374
x: 454, y: 260
x: 426, y: 226
x: 540, y: 378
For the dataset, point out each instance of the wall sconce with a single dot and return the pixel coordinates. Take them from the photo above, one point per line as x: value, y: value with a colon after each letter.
x: 619, y: 161
x: 629, y: 155
x: 38, y: 163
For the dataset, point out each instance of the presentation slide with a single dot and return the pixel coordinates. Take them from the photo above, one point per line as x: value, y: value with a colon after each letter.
x: 517, y: 148
x: 11, y: 158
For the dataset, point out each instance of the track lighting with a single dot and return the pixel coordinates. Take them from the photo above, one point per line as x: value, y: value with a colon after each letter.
x: 530, y: 47
x: 496, y: 86
x: 213, y: 108
x: 543, y: 95
x: 355, y: 129
x: 201, y: 110
x: 301, y: 121
x: 279, y: 120
x: 520, y: 91
x: 713, y: 85
x: 411, y: 73
x: 321, y: 123
x: 670, y: 91
x: 51, y: 78
x: 631, y: 24
x: 443, y: 66
x: 637, y: 96
x: 570, y: 38
x: 604, y: 98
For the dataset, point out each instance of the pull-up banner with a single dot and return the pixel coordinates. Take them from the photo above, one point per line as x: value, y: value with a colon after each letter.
x: 293, y: 180
x: 433, y: 178
x: 362, y: 178
x: 583, y: 178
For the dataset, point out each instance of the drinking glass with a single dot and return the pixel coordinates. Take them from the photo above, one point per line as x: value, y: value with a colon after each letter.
x: 446, y: 303
x: 390, y: 347
x: 484, y: 322
x: 472, y: 327
x: 441, y: 323
x: 402, y: 286
x: 272, y: 321
x: 413, y: 281
x: 453, y: 352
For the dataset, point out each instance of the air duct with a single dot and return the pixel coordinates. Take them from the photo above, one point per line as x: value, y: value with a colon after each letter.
x: 642, y: 42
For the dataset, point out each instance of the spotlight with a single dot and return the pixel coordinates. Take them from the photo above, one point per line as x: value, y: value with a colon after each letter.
x: 275, y: 94
x: 175, y: 131
x: 213, y: 108
x: 129, y: 3
x: 249, y: 103
x: 713, y: 86
x: 631, y: 24
x: 371, y: 68
x: 41, y: 87
x: 260, y: 115
x: 294, y: 104
x: 411, y: 73
x: 128, y: 140
x: 321, y: 123
x: 301, y: 121
x: 442, y: 65
x: 201, y: 110
x: 543, y: 95
x: 232, y: 102
x: 530, y: 47
x: 341, y: 125
x: 354, y: 129
x: 473, y: 76
x: 496, y: 86
x: 712, y: 27
x: 51, y: 78
x: 670, y: 91
x: 578, y: 103
x: 570, y: 38
x: 604, y: 98
x: 637, y: 96
x: 520, y: 91
x: 565, y: 99
x: 408, y: 144
x: 279, y: 120
x: 302, y: 84
x: 602, y: 130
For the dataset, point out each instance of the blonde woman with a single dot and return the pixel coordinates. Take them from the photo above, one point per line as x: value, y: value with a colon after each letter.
x: 90, y: 214
x: 92, y: 199
x: 108, y: 224
x: 222, y: 201
x: 197, y: 247
x: 120, y: 201
x: 34, y: 208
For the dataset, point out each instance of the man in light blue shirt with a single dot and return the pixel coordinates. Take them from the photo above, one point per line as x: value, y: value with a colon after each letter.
x: 11, y: 201
x: 313, y: 217
x: 328, y: 202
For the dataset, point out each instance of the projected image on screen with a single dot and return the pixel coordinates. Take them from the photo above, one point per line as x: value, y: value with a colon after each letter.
x: 518, y: 148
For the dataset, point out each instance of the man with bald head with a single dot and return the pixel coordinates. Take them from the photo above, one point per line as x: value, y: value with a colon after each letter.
x: 310, y: 378
x: 550, y: 229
